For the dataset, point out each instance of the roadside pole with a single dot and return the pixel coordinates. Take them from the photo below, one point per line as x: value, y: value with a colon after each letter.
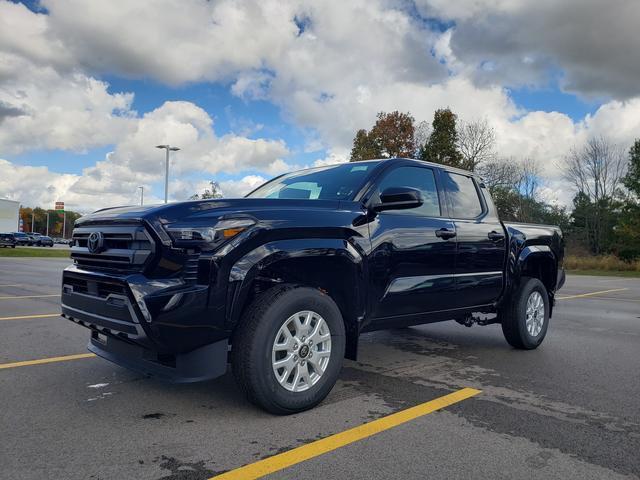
x: 47, y: 223
x: 59, y: 208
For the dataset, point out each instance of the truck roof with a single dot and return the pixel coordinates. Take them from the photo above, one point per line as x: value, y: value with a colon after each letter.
x: 423, y: 162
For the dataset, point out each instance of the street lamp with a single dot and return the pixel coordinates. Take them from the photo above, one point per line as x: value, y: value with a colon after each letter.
x: 166, y: 173
x: 141, y: 195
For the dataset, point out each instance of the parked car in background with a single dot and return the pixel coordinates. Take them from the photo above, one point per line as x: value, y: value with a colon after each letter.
x: 22, y: 239
x: 46, y: 241
x: 34, y: 238
x: 7, y: 240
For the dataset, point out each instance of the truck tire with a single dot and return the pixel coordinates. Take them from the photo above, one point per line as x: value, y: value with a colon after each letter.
x: 287, y: 352
x: 525, y: 319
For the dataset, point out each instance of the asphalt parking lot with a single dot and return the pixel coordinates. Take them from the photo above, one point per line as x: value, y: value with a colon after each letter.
x: 570, y: 409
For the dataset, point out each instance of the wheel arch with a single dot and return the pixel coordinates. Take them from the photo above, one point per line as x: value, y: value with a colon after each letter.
x: 536, y: 261
x: 333, y: 266
x: 539, y: 262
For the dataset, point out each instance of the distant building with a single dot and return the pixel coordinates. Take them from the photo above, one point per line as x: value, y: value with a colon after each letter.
x: 9, y: 215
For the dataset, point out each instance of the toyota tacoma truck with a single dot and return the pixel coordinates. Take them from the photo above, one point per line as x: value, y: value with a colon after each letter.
x: 281, y: 283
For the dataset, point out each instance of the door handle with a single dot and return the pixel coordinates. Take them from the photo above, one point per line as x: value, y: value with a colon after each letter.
x: 493, y: 235
x: 445, y: 233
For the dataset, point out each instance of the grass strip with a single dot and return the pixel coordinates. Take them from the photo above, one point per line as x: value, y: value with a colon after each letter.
x: 43, y: 252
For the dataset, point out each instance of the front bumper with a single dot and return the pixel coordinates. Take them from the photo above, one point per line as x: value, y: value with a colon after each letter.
x: 162, y: 321
x: 204, y: 363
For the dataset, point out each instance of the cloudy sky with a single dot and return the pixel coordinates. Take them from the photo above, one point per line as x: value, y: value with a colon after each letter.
x: 249, y: 89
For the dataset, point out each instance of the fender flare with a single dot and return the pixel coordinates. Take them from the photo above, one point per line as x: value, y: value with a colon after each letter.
x: 246, y: 270
x: 519, y: 265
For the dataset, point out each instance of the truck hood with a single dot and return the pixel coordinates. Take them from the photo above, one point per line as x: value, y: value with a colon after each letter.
x: 200, y: 210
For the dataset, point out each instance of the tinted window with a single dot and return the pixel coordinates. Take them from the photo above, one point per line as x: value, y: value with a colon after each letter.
x: 464, y: 196
x: 414, y: 177
x: 336, y: 182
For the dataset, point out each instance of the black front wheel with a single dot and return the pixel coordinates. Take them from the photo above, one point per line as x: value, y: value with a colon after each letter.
x: 525, y: 319
x: 287, y: 352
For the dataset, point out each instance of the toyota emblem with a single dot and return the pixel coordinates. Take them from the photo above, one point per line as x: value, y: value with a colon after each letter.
x: 95, y: 242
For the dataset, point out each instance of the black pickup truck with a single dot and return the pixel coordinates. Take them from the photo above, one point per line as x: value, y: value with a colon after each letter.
x: 281, y: 283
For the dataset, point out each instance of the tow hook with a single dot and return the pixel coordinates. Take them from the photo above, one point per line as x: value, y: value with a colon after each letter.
x: 481, y: 319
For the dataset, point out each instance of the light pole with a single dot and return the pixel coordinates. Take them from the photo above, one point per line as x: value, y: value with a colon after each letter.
x: 47, y: 223
x: 141, y: 195
x: 168, y: 148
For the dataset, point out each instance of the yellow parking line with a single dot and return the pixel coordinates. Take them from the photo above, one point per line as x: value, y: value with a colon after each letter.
x: 623, y: 299
x: 46, y: 360
x: 592, y: 293
x: 26, y: 317
x: 333, y: 442
x: 29, y: 296
x: 12, y: 285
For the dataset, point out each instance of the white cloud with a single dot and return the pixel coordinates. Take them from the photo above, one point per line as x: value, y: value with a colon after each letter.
x: 55, y: 111
x: 134, y: 161
x: 333, y: 157
x: 47, y: 102
x: 595, y: 46
x: 38, y: 186
x: 175, y: 41
x: 239, y: 188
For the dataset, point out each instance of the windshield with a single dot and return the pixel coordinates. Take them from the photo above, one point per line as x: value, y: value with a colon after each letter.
x: 335, y: 182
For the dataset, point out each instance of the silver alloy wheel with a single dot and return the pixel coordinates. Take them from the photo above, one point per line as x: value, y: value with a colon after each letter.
x: 535, y: 313
x: 301, y: 351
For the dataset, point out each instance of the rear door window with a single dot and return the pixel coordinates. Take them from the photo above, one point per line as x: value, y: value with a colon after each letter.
x: 462, y: 191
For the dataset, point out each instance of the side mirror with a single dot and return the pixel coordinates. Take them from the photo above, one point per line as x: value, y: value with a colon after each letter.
x: 399, y: 198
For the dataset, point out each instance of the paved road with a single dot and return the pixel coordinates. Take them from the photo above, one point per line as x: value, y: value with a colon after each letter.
x: 567, y: 410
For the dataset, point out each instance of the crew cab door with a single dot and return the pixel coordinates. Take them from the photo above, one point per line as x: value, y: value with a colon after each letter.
x: 481, y: 241
x: 412, y: 262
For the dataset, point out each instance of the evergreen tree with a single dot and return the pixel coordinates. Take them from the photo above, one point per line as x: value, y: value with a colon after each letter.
x: 632, y: 179
x: 441, y: 146
x: 628, y: 230
x: 364, y: 147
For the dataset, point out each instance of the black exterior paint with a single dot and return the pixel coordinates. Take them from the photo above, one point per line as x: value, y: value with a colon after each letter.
x: 381, y: 268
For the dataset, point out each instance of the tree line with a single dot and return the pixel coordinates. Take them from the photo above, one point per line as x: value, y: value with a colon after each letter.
x: 605, y: 177
x: 39, y: 216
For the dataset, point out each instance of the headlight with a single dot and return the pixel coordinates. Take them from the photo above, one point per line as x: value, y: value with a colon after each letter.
x: 208, y: 236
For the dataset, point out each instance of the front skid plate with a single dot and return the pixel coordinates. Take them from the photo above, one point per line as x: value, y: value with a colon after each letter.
x: 204, y: 363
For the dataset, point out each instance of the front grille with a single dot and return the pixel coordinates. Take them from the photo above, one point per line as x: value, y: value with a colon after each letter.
x: 94, y: 287
x: 124, y: 247
x: 98, y: 303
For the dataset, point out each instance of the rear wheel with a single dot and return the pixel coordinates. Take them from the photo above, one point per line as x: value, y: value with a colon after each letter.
x: 525, y: 319
x: 287, y: 353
